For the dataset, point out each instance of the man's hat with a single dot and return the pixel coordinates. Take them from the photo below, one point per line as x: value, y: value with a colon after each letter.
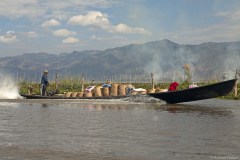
x: 45, y: 71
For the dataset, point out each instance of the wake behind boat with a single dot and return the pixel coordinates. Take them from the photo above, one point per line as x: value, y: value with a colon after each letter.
x: 177, y: 96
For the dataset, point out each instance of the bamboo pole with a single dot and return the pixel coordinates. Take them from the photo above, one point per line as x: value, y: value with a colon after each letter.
x: 152, y: 81
x: 56, y: 81
x: 236, y: 84
x: 82, y: 82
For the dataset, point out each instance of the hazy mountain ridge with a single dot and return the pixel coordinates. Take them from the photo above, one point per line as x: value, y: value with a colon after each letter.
x: 161, y: 57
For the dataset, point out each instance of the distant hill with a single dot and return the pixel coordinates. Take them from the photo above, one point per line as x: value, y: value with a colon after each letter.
x: 164, y: 58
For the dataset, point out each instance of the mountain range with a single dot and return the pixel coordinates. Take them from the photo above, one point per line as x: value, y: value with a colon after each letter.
x: 164, y: 58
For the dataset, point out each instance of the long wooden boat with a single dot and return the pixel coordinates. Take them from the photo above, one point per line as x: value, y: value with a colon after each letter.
x: 177, y: 96
x: 197, y: 93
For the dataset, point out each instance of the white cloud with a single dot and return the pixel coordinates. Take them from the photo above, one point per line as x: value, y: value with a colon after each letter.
x: 214, y: 33
x: 98, y: 19
x: 123, y: 28
x: 56, y: 4
x: 9, y: 37
x: 233, y: 15
x: 14, y: 9
x: 222, y: 14
x: 223, y: 31
x: 50, y: 23
x: 63, y: 33
x: 115, y: 37
x: 96, y: 3
x: 21, y: 8
x: 236, y: 15
x: 70, y: 40
x: 92, y: 18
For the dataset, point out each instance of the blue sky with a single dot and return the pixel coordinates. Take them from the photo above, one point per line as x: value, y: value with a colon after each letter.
x: 55, y: 26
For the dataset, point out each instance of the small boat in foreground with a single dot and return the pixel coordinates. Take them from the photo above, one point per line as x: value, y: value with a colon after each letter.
x: 177, y: 96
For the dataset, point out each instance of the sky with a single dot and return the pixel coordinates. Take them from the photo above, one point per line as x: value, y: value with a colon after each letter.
x: 58, y: 26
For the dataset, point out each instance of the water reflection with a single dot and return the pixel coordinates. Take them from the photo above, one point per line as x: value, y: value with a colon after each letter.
x: 187, y: 108
x: 171, y: 108
x: 102, y: 107
x: 44, y: 105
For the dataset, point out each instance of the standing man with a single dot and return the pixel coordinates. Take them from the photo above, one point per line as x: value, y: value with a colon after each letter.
x: 44, y: 83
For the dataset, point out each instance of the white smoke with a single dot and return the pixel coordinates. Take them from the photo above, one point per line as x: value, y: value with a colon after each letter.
x: 8, y: 87
x: 231, y: 62
x: 168, y: 64
x: 207, y: 60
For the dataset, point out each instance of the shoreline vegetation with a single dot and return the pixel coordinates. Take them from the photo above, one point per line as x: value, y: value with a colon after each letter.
x: 76, y: 85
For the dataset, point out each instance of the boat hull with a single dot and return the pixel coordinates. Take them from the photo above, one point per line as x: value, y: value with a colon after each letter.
x: 197, y: 93
x: 62, y: 97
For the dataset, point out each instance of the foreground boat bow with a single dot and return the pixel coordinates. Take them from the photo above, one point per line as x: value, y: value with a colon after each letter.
x: 197, y: 93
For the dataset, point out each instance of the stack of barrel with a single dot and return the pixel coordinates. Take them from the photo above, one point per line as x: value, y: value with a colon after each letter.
x: 99, y: 91
x: 115, y: 90
x: 73, y: 94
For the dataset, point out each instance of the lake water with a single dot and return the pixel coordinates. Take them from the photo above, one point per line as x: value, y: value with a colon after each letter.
x: 119, y: 130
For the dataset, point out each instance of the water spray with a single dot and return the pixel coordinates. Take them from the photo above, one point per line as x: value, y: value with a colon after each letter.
x: 8, y: 87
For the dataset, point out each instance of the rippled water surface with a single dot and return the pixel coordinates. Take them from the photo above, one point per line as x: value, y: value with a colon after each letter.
x: 118, y: 130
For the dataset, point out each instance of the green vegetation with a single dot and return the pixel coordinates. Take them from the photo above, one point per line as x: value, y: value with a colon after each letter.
x: 63, y: 86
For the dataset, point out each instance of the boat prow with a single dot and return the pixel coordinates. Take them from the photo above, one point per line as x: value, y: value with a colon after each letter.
x: 197, y: 93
